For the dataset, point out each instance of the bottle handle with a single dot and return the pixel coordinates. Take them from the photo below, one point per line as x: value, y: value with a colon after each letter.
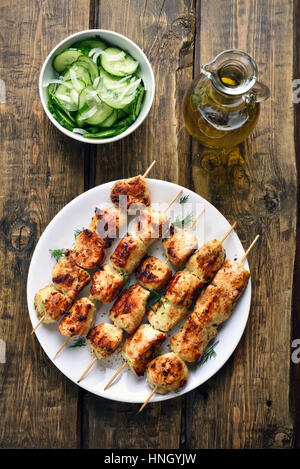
x: 261, y: 91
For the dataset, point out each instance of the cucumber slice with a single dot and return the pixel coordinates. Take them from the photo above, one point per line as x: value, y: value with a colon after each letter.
x: 111, y: 119
x: 89, y: 65
x: 92, y: 110
x: 60, y: 116
x: 78, y: 72
x: 117, y: 92
x: 56, y: 102
x: 117, y: 62
x: 67, y: 94
x: 65, y: 58
x: 90, y: 44
x: 106, y: 133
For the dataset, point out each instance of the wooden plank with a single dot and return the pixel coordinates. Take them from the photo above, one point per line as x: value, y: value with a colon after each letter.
x: 296, y: 291
x: 41, y: 170
x: 247, y: 404
x: 165, y: 31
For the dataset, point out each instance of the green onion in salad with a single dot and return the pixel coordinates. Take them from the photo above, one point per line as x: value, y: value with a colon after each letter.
x: 98, y: 91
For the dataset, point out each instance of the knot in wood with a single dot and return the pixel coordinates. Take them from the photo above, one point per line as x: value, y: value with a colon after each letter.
x: 21, y: 235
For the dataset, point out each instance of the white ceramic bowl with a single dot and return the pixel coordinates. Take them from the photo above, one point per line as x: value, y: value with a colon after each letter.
x: 115, y: 39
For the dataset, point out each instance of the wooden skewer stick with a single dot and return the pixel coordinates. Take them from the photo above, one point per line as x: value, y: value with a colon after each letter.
x: 249, y: 249
x: 196, y: 219
x: 149, y: 169
x: 115, y: 375
x: 228, y: 232
x: 173, y: 200
x: 61, y: 347
x: 241, y: 261
x: 87, y: 369
x: 148, y: 399
x: 37, y: 325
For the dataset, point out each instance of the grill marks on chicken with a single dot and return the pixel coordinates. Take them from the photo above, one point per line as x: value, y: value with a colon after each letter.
x: 106, y: 284
x: 104, y: 340
x: 153, y: 273
x: 180, y: 245
x: 79, y: 320
x: 68, y: 278
x: 140, y: 348
x: 167, y: 373
x: 135, y: 189
x: 89, y: 250
x: 129, y: 309
x: 51, y: 304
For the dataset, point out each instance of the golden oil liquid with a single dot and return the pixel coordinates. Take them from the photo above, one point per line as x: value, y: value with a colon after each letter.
x: 215, y: 120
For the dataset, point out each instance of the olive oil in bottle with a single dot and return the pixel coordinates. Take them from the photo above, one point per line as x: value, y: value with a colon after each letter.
x: 221, y: 107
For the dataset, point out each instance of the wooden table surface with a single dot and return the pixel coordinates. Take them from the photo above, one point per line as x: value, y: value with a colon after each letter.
x: 254, y: 400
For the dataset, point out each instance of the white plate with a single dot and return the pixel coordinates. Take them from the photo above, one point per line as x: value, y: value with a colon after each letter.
x: 73, y: 361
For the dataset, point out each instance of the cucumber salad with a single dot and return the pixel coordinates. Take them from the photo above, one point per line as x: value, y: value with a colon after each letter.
x: 98, y: 91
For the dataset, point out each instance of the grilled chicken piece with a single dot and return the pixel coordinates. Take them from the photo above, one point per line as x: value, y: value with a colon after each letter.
x: 136, y: 190
x: 212, y: 308
x: 163, y: 315
x: 151, y: 224
x: 89, y: 251
x: 206, y: 262
x: 107, y: 223
x: 168, y: 372
x: 153, y: 273
x: 180, y: 245
x: 68, y: 278
x: 51, y: 304
x: 106, y: 284
x: 140, y: 348
x: 80, y: 318
x: 128, y: 253
x: 104, y: 340
x: 128, y: 310
x: 183, y: 289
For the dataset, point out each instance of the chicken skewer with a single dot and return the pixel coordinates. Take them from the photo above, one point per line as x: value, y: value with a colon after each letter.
x: 186, y: 284
x: 103, y: 340
x: 190, y: 289
x: 181, y: 243
x: 78, y: 321
x: 135, y: 190
x: 133, y: 247
x: 210, y: 311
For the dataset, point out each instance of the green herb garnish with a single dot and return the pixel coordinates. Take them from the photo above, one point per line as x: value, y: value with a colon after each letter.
x: 155, y: 297
x: 77, y: 232
x: 80, y: 342
x: 183, y: 199
x: 57, y: 253
x: 208, y: 353
x: 126, y: 279
x: 184, y: 222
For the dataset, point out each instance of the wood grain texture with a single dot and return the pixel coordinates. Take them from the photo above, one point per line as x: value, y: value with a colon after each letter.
x: 247, y: 404
x: 41, y: 171
x: 165, y: 31
x: 295, y: 390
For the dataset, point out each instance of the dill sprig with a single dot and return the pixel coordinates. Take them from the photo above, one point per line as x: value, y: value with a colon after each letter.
x: 208, y: 354
x: 126, y: 279
x: 57, y: 253
x: 184, y: 222
x: 155, y: 297
x: 80, y: 342
x: 77, y: 232
x: 183, y: 199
